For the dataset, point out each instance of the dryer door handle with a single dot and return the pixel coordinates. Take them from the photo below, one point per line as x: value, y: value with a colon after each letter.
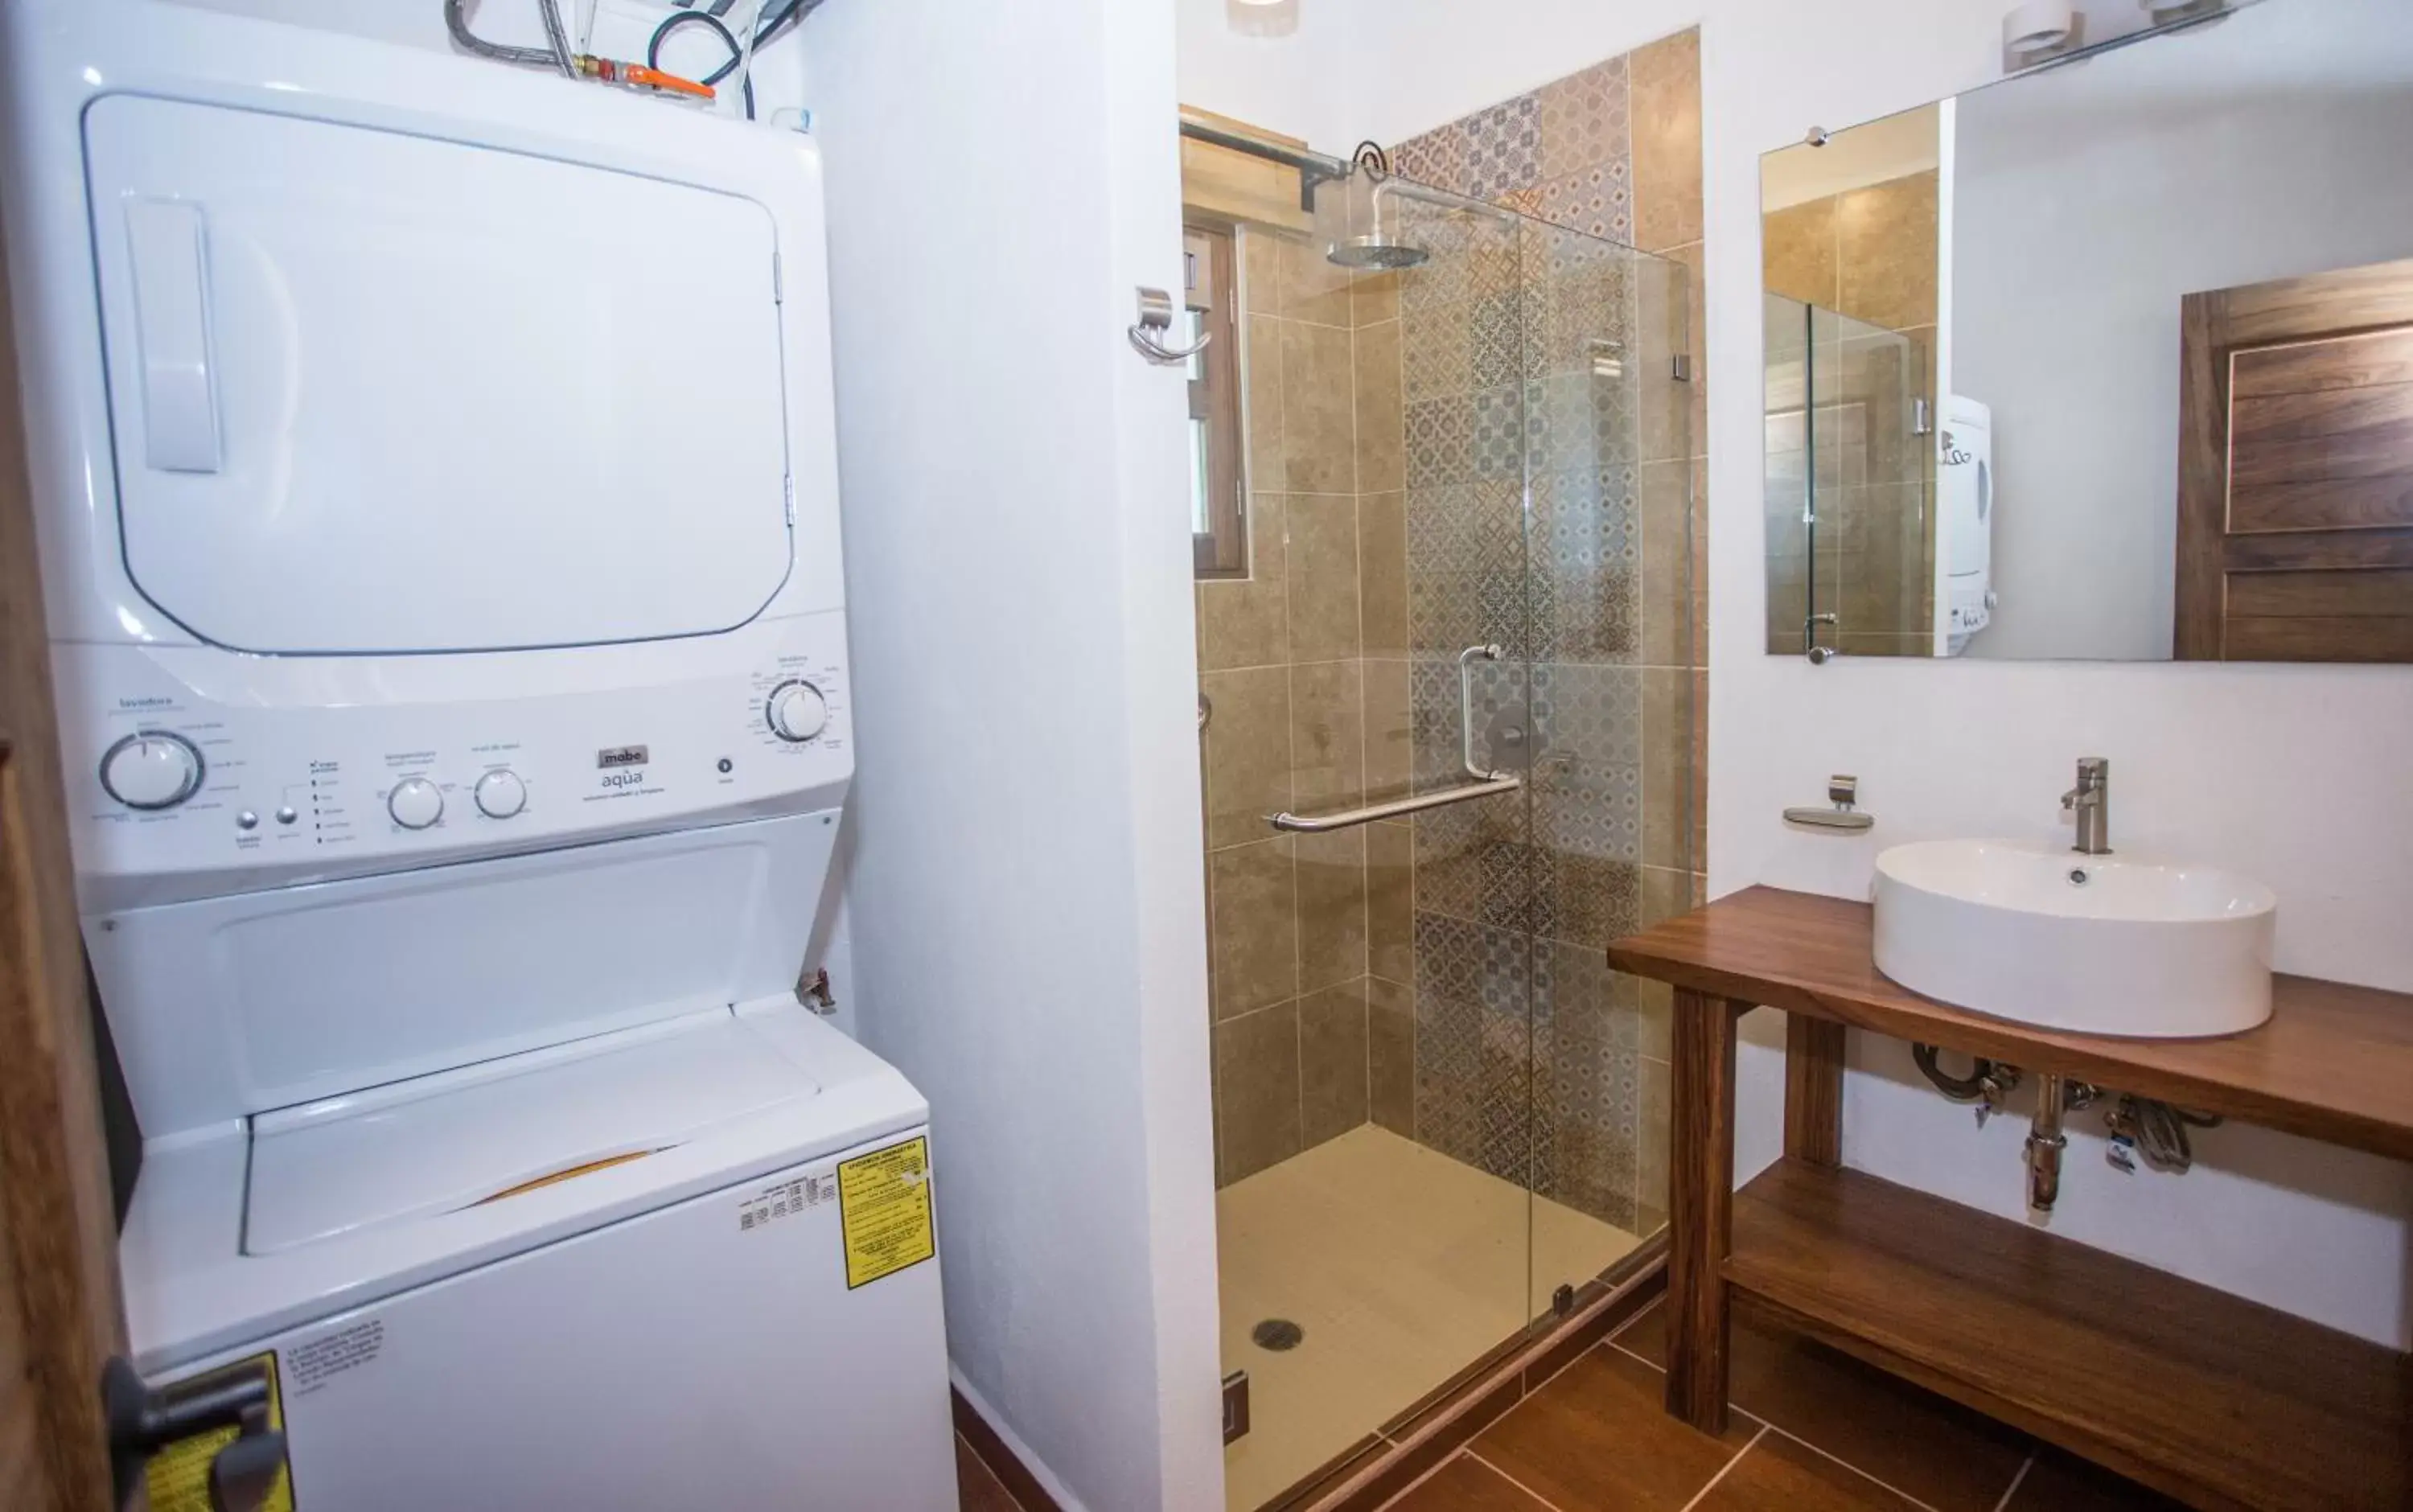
x: 171, y: 313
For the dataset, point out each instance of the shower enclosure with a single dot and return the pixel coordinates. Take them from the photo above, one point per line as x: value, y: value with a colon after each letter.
x: 1850, y: 485
x: 1448, y: 759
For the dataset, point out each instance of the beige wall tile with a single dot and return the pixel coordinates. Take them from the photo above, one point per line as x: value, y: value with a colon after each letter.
x: 1390, y: 735
x: 1319, y: 400
x: 1260, y: 272
x: 1261, y: 363
x: 1664, y: 894
x: 1382, y: 424
x: 1327, y: 737
x: 1667, y: 322
x: 1256, y: 1084
x: 1391, y: 901
x: 1666, y: 84
x: 1391, y: 1055
x: 1383, y: 572
x: 1696, y: 341
x: 1655, y: 1007
x: 1253, y: 897
x: 1374, y: 296
x: 1245, y: 622
x: 1885, y: 252
x: 1667, y: 575
x: 1314, y: 288
x: 1666, y: 736
x: 1331, y: 908
x: 1247, y: 752
x: 1700, y: 775
x: 1700, y: 642
x: 1321, y: 564
x: 1651, y: 1156
x: 1332, y: 1061
x: 1797, y: 252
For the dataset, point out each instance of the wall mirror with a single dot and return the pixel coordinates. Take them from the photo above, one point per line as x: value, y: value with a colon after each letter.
x: 2111, y: 360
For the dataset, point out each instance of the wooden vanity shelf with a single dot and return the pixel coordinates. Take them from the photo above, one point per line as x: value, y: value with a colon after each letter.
x: 2219, y: 1401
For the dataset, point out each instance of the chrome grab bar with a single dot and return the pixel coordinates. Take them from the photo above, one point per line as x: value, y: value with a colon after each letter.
x: 1485, y: 783
x: 1415, y: 803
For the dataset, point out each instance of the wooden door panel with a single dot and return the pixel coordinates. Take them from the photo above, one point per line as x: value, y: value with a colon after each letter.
x: 2316, y: 448
x: 2358, y: 361
x: 58, y: 1231
x: 2314, y: 638
x: 2295, y: 528
x: 2323, y: 504
x: 2381, y: 593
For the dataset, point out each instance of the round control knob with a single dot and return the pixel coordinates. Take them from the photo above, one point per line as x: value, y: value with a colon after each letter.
x: 796, y: 711
x: 415, y: 803
x: 501, y: 794
x: 151, y: 770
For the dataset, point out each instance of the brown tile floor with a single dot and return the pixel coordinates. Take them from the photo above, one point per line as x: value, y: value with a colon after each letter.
x: 1811, y: 1431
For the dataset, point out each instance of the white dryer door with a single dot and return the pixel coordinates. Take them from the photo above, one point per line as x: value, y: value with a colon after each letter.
x: 375, y: 392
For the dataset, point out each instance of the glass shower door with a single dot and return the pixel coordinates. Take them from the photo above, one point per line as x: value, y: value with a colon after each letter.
x: 1435, y: 791
x: 1612, y: 659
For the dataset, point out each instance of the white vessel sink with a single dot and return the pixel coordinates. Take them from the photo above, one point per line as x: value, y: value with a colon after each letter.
x: 2098, y: 944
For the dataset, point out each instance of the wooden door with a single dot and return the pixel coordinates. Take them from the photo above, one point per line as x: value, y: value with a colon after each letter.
x: 2295, y: 533
x: 60, y: 1317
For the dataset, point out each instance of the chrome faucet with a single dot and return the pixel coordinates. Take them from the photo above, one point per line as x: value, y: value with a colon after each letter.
x: 2091, y: 801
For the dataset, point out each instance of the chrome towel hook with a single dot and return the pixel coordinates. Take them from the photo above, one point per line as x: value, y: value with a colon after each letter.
x: 1155, y: 319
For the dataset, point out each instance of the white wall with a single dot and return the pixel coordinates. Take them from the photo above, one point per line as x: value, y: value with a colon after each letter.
x: 1026, y: 902
x: 2088, y: 201
x: 2294, y: 774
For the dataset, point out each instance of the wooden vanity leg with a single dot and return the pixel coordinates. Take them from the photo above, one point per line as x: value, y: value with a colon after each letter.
x: 1813, y: 1089
x: 1700, y: 1205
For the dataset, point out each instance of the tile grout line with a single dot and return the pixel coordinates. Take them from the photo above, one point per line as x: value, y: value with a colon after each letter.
x: 2017, y: 1479
x: 1722, y: 1475
x: 1853, y: 1468
x: 1439, y: 1465
x: 1469, y: 1452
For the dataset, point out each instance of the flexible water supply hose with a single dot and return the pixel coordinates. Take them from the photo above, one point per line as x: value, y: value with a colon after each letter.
x: 555, y: 56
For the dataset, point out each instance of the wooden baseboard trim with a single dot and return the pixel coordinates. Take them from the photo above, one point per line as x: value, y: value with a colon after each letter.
x: 1003, y: 1462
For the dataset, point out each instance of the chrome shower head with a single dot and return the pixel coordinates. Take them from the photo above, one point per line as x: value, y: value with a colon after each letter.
x: 1376, y: 250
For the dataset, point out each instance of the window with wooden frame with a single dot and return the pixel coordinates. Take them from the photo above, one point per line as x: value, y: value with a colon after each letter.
x: 1219, y: 512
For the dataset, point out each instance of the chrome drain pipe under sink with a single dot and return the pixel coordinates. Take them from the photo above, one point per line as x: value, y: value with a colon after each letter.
x: 2046, y: 1146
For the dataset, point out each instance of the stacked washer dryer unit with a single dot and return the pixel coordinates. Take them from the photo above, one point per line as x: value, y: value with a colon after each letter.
x: 439, y: 535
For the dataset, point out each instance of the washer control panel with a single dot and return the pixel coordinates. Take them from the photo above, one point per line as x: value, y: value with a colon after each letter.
x: 300, y: 769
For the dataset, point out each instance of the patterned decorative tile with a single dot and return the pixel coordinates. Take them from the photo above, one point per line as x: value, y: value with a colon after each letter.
x: 1467, y: 576
x: 1497, y: 339
x: 1597, y: 202
x: 1436, y: 350
x: 1586, y: 540
x: 1438, y: 157
x: 1585, y: 120
x: 1440, y: 451
x: 1499, y: 426
x: 1504, y: 147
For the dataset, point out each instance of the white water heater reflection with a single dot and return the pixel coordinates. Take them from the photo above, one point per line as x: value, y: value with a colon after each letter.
x: 1965, y: 484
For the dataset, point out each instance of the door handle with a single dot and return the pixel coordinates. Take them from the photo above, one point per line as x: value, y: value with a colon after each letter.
x: 171, y: 318
x: 143, y: 1421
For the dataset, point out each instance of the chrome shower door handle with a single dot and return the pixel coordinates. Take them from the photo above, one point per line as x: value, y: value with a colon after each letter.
x: 1466, y: 660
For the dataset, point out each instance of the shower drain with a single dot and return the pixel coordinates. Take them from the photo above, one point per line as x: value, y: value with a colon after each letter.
x: 1277, y: 1334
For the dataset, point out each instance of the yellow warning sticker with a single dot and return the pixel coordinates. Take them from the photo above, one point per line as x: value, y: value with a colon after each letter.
x: 179, y: 1475
x: 883, y: 1202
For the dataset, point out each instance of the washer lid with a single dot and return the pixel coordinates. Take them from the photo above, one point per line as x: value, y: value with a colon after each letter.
x: 377, y: 392
x: 492, y: 1132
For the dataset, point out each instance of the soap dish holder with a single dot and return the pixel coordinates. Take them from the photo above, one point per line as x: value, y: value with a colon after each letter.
x: 1841, y: 793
